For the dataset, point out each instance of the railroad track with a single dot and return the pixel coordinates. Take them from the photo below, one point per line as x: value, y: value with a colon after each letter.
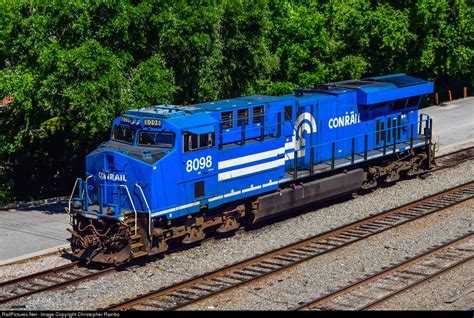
x: 454, y: 158
x: 208, y: 285
x: 55, y: 278
x: 379, y: 287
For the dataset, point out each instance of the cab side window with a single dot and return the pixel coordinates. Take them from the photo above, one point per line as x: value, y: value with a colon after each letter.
x: 197, y: 141
x: 413, y: 101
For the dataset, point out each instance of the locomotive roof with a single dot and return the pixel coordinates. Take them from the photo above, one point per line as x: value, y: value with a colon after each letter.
x: 164, y: 111
x: 239, y: 102
x: 369, y: 90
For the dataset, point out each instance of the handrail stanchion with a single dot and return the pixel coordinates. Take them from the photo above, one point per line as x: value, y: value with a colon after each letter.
x: 148, y: 207
x: 86, y: 197
x: 295, y: 165
x: 384, y: 142
x: 70, y: 199
x: 100, y: 198
x: 394, y: 134
x: 133, y: 205
x: 333, y: 155
x: 366, y: 139
x: 430, y: 154
x: 72, y: 194
x: 353, y: 151
x: 118, y: 211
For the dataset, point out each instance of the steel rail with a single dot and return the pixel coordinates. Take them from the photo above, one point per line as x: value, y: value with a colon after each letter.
x: 386, y: 272
x: 207, y: 285
x: 418, y: 283
x: 47, y: 280
x: 38, y: 274
x: 452, y: 159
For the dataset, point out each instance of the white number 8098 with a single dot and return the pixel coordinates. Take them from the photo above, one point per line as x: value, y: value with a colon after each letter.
x: 198, y: 163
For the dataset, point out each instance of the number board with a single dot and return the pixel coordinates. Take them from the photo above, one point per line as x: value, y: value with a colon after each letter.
x: 152, y: 122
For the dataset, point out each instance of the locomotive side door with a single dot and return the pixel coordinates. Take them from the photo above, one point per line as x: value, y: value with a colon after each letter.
x: 402, y: 127
x: 199, y: 162
x: 394, y: 128
x: 305, y: 131
x: 380, y: 131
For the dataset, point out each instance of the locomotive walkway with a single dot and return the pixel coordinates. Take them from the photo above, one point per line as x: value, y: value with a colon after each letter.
x: 28, y: 232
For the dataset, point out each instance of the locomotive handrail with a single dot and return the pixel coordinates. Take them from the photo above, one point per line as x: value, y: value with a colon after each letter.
x: 88, y: 199
x: 362, y: 135
x: 70, y: 198
x: 72, y: 193
x: 147, y: 206
x: 133, y: 205
x: 424, y: 121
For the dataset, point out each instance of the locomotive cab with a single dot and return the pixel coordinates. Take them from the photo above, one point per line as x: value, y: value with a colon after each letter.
x: 126, y: 180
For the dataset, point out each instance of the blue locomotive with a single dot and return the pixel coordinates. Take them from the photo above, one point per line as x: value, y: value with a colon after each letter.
x: 172, y: 174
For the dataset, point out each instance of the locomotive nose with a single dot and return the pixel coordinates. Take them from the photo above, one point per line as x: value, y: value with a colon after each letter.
x: 107, y: 185
x: 108, y: 167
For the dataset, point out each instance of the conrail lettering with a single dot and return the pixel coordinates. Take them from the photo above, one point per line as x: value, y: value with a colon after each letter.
x: 112, y: 176
x: 347, y: 120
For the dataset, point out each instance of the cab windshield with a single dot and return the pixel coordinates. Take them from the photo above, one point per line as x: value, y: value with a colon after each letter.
x: 160, y: 139
x: 123, y: 134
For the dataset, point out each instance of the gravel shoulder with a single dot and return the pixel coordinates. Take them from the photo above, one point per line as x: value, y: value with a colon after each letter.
x: 213, y: 254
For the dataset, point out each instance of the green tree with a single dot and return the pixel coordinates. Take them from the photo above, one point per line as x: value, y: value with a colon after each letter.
x: 390, y: 38
x: 444, y: 49
x: 301, y: 42
x: 246, y: 31
x: 188, y: 35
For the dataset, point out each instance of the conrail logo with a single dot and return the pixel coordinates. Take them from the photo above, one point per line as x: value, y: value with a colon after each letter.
x: 347, y: 120
x: 112, y: 176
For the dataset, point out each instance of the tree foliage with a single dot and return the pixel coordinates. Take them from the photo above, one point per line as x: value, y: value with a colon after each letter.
x: 72, y: 66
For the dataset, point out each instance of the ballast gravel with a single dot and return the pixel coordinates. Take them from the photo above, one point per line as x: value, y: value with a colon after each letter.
x: 451, y: 291
x: 29, y: 266
x: 331, y: 271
